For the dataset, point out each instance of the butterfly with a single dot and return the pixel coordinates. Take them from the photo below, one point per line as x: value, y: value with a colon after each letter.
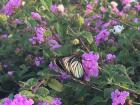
x: 71, y: 65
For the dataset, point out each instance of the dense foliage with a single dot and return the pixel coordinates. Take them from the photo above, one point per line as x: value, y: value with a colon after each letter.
x: 102, y: 34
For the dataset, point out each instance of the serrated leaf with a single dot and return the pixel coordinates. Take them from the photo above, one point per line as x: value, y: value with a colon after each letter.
x: 42, y: 91
x: 58, y: 27
x: 31, y: 82
x: 88, y: 37
x: 33, y: 22
x: 27, y: 93
x: 56, y: 85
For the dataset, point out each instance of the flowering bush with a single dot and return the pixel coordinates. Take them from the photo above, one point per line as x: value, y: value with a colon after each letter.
x: 37, y: 37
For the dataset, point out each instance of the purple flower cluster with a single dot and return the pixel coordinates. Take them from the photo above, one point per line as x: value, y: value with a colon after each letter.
x: 52, y: 41
x: 102, y: 36
x: 52, y: 66
x: 11, y: 5
x: 54, y: 8
x: 110, y: 57
x: 56, y: 101
x: 89, y: 9
x: 137, y: 7
x: 64, y: 76
x: 118, y: 97
x: 38, y: 61
x: 36, y: 16
x: 18, y: 100
x: 125, y: 2
x: 90, y: 65
x: 57, y: 8
x: 38, y: 38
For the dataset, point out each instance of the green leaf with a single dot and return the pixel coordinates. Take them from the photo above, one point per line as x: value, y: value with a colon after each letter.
x: 42, y: 91
x: 95, y: 100
x: 88, y: 36
x: 59, y: 28
x: 31, y: 82
x: 27, y: 93
x: 107, y: 92
x: 56, y: 85
x: 33, y: 22
x: 46, y: 3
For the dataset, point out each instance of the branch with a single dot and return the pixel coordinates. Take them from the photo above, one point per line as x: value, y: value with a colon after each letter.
x: 126, y: 88
x: 87, y: 84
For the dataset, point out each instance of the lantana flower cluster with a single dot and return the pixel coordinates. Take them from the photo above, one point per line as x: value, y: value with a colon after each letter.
x: 11, y: 5
x: 56, y: 101
x: 18, y: 100
x: 38, y: 61
x: 110, y: 57
x: 36, y: 16
x: 102, y: 36
x: 90, y: 65
x: 119, y: 97
x: 38, y: 38
x: 57, y: 8
x: 53, y: 42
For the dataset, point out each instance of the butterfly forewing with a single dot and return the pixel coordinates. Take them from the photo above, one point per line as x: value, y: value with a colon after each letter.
x: 71, y: 64
x: 76, y: 67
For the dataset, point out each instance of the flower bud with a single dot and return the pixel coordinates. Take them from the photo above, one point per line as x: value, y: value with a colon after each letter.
x: 75, y: 41
x: 3, y: 19
x: 80, y: 20
x: 23, y: 3
x: 114, y: 4
x: 61, y: 8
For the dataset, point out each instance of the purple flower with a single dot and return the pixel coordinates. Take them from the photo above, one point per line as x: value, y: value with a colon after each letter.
x: 64, y: 76
x: 52, y: 41
x: 11, y: 5
x: 18, y: 100
x: 137, y: 7
x: 110, y: 57
x: 43, y: 103
x: 99, y: 23
x: 38, y: 38
x: 96, y: 1
x: 125, y: 2
x: 54, y: 8
x: 106, y: 25
x: 55, y: 101
x: 10, y: 73
x: 90, y: 65
x: 53, y: 44
x: 111, y: 41
x: 118, y: 97
x: 135, y: 20
x: 36, y: 16
x: 114, y: 22
x: 7, y: 101
x: 97, y: 16
x: 38, y: 61
x: 18, y: 21
x: 4, y: 36
x: 102, y: 36
x: 89, y: 9
x: 52, y: 66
